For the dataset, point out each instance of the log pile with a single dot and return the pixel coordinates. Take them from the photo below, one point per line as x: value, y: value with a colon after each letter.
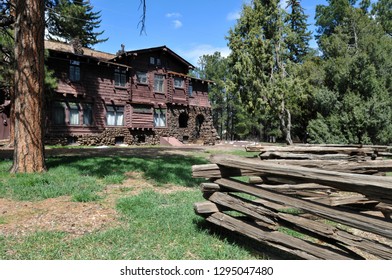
x: 328, y: 214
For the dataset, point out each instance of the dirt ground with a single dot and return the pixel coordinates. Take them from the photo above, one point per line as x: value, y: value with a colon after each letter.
x: 19, y: 218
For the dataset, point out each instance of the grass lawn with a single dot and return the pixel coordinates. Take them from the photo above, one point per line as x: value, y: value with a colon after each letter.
x: 151, y: 223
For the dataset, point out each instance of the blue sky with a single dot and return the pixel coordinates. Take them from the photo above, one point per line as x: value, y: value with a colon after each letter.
x: 190, y: 28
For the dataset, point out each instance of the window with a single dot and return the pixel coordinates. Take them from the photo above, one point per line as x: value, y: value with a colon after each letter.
x: 155, y: 61
x: 159, y: 81
x: 115, y: 115
x: 160, y: 117
x: 74, y: 71
x: 178, y: 82
x: 142, y: 77
x: 190, y: 89
x: 120, y: 77
x: 58, y: 113
x: 87, y: 114
x: 74, y: 114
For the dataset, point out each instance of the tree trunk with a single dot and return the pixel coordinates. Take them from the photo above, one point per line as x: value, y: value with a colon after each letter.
x: 285, y: 124
x: 29, y: 87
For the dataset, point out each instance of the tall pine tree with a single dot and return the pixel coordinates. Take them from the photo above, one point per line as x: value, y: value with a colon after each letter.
x: 298, y: 38
x: 74, y: 19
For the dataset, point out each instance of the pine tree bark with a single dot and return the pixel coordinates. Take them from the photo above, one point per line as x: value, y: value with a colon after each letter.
x: 29, y: 87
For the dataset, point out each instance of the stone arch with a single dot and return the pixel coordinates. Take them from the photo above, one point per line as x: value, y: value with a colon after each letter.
x: 199, y: 123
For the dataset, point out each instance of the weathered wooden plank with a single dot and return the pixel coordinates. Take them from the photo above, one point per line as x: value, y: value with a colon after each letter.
x: 215, y: 171
x: 355, y: 220
x: 374, y: 187
x: 360, y: 167
x: 240, y: 205
x: 205, y: 207
x: 316, y: 149
x: 275, y: 239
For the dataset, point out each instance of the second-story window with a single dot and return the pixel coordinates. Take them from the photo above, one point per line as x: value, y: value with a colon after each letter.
x: 155, y: 61
x: 159, y: 83
x: 178, y: 82
x: 120, y: 77
x: 74, y: 71
x: 141, y: 77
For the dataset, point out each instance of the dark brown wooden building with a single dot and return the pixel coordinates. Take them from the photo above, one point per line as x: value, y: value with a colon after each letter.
x: 135, y: 97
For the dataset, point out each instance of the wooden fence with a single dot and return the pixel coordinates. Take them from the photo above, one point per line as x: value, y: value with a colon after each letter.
x: 328, y: 214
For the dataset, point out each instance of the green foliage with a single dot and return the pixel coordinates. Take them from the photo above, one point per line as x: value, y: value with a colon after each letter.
x: 352, y: 105
x: 74, y: 19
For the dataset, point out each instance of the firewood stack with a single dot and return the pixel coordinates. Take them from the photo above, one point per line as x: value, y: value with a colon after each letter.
x: 305, y: 213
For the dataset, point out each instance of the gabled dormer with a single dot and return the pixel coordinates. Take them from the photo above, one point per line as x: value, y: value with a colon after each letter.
x: 154, y: 58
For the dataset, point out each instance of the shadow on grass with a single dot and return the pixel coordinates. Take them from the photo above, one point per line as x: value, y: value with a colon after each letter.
x: 168, y: 169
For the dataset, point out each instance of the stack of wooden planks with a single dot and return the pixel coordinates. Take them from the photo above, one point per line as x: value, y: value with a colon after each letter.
x: 329, y: 214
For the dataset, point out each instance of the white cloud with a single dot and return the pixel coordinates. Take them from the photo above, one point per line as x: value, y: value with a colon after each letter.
x: 173, y: 15
x: 233, y: 16
x: 177, y: 24
x: 195, y: 52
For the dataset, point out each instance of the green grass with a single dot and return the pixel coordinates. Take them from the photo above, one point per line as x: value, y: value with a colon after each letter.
x: 83, y: 178
x: 152, y: 225
x: 155, y: 226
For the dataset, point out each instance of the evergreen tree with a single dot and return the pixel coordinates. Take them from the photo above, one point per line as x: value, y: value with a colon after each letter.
x: 299, y: 36
x: 262, y: 74
x: 357, y: 62
x: 382, y: 10
x: 74, y: 19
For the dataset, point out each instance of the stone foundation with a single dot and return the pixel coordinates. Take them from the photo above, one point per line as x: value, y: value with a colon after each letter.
x: 198, y: 128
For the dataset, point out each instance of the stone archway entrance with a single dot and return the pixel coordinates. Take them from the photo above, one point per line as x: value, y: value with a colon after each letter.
x: 199, y: 122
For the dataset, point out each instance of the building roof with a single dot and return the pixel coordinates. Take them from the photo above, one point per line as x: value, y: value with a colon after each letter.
x: 68, y: 48
x: 160, y: 48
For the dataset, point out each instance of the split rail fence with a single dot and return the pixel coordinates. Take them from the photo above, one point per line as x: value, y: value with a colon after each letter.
x: 304, y: 208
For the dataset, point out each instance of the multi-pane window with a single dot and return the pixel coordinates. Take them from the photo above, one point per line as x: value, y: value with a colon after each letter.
x: 74, y: 117
x: 87, y: 114
x: 178, y: 82
x: 155, y: 61
x: 114, y: 115
x: 142, y: 77
x: 159, y: 117
x: 58, y: 113
x: 159, y: 82
x: 74, y: 71
x: 72, y: 113
x: 120, y: 77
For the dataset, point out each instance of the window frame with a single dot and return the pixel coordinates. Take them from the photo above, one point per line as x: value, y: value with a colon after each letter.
x: 74, y: 71
x: 145, y: 76
x: 160, y: 87
x: 120, y: 78
x: 160, y: 116
x: 180, y: 80
x: 119, y: 110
